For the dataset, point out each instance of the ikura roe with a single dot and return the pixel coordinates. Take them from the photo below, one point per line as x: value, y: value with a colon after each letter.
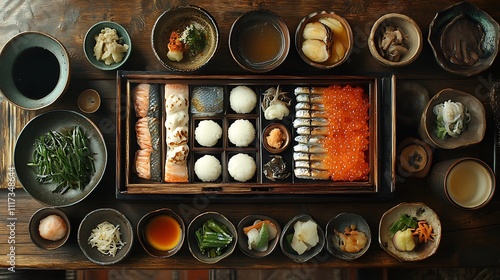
x: 348, y: 138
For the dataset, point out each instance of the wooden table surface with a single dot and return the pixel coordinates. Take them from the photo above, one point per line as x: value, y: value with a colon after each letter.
x: 470, y: 238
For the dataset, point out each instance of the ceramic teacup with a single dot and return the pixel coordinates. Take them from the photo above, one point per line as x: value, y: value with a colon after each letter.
x: 467, y: 183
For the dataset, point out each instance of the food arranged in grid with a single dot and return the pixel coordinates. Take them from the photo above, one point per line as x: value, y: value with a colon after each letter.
x: 251, y: 133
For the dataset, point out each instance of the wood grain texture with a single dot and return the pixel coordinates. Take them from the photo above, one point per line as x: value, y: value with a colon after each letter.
x: 470, y: 238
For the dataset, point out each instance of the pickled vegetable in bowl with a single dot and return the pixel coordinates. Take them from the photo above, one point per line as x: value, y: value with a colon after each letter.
x: 410, y: 231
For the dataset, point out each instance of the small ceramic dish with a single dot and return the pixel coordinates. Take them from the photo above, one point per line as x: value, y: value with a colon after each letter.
x: 89, y: 101
x: 95, y: 218
x: 285, y: 138
x: 464, y: 23
x: 474, y: 130
x: 286, y: 237
x: 259, y: 41
x: 411, y: 99
x: 90, y: 42
x: 395, y: 40
x: 197, y: 223
x: 243, y: 238
x: 342, y: 40
x: 338, y: 226
x: 420, y: 212
x: 42, y: 62
x: 414, y: 158
x: 178, y: 19
x: 60, y: 220
x: 161, y: 232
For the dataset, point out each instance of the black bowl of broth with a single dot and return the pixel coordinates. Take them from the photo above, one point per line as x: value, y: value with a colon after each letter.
x: 34, y: 70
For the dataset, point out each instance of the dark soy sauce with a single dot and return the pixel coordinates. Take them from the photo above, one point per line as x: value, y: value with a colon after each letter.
x: 35, y: 72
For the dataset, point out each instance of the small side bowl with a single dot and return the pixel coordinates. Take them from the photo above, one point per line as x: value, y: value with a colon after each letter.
x: 475, y: 128
x: 286, y: 247
x: 90, y: 222
x: 177, y: 19
x: 89, y: 43
x: 8, y: 57
x: 347, y: 37
x: 197, y: 223
x: 89, y: 101
x: 286, y: 141
x: 243, y: 239
x: 421, y: 212
x: 262, y: 23
x: 408, y: 26
x: 141, y: 232
x: 489, y: 45
x: 414, y: 158
x: 339, y: 223
x: 35, y: 233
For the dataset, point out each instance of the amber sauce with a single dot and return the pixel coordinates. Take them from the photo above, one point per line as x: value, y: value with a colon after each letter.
x: 163, y: 232
x: 260, y: 43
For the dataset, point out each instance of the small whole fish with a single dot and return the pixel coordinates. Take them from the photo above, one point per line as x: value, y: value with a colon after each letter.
x: 312, y: 149
x: 306, y: 173
x: 310, y: 139
x: 307, y: 130
x: 310, y: 98
x: 312, y: 122
x: 302, y: 90
x: 311, y: 165
x: 310, y: 157
x: 306, y: 114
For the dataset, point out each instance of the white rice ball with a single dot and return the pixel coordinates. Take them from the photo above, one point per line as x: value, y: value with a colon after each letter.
x: 241, y: 133
x: 207, y: 133
x: 241, y: 167
x: 207, y: 168
x: 242, y: 99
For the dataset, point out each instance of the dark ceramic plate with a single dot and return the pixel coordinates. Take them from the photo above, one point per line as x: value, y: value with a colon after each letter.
x: 57, y: 120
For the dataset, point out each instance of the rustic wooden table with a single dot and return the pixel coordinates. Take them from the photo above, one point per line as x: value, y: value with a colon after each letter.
x: 470, y: 238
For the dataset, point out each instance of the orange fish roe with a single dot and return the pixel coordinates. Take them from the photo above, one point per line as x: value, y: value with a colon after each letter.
x: 347, y: 142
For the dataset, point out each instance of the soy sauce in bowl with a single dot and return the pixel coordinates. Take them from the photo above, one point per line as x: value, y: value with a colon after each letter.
x: 36, y: 72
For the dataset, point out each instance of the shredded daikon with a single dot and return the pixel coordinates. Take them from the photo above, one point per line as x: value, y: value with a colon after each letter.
x: 106, y: 237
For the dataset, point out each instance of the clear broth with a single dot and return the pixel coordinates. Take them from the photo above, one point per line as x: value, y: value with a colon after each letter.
x: 260, y: 43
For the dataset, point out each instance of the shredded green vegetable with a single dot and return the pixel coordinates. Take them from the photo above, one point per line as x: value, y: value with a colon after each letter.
x: 213, y: 237
x: 64, y: 159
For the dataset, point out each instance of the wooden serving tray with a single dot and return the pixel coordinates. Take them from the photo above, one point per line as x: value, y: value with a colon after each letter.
x: 381, y: 153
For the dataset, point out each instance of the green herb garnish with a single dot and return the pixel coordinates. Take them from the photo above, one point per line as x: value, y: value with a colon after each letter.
x: 195, y: 39
x: 64, y: 159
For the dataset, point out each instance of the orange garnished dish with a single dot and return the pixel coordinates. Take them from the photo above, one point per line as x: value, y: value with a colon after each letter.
x: 332, y: 133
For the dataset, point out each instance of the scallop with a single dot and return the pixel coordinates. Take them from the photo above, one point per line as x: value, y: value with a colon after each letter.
x: 316, y: 50
x: 316, y: 31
